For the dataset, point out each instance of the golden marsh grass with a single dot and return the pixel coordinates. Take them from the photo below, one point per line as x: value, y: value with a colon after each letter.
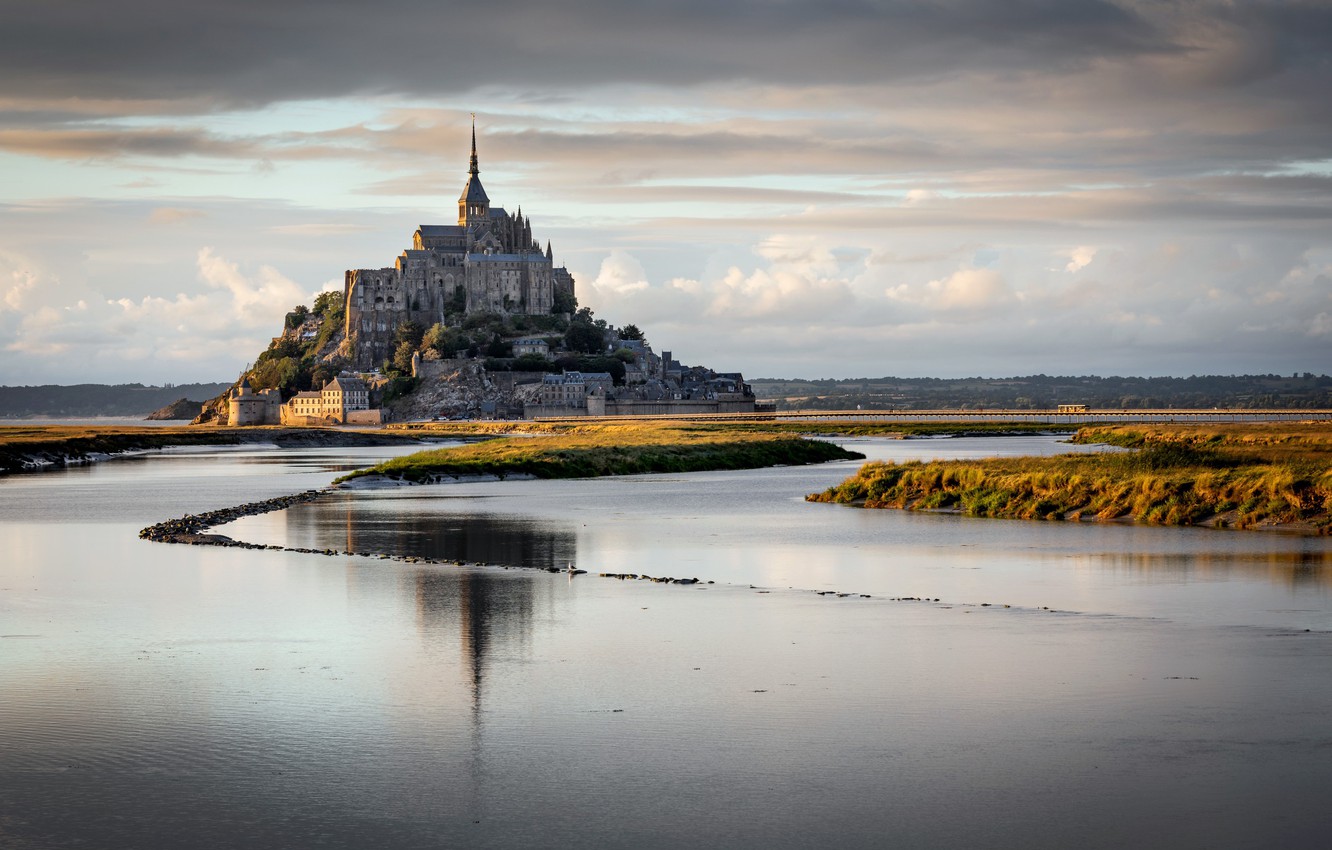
x: 1242, y: 476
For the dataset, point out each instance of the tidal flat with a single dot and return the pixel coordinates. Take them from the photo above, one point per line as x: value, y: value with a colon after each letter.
x: 1076, y: 685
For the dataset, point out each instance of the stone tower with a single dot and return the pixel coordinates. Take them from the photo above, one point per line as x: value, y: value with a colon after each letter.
x: 473, y: 203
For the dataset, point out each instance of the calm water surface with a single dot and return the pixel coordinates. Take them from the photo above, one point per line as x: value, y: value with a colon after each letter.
x: 172, y: 696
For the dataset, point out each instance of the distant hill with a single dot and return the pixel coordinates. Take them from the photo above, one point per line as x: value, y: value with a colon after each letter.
x: 82, y: 401
x: 1042, y: 392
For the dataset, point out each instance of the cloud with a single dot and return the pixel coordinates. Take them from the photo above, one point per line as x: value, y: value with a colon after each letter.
x: 1079, y: 258
x: 1150, y: 179
x: 967, y: 289
x: 42, y: 321
x: 620, y: 275
x: 330, y: 228
x: 254, y: 301
x: 20, y: 288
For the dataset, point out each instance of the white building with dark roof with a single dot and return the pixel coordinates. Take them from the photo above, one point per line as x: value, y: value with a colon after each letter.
x: 343, y: 401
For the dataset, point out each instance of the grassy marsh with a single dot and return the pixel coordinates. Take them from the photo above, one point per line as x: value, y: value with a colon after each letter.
x: 1243, y: 476
x: 584, y: 451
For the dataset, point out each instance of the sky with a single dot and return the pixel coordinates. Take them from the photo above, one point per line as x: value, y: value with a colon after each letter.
x: 848, y: 188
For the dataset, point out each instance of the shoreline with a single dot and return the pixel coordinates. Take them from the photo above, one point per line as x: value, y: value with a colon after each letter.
x: 43, y: 448
x: 1276, y: 479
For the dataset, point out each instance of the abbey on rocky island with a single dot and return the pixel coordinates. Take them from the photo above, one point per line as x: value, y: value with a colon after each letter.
x: 486, y: 263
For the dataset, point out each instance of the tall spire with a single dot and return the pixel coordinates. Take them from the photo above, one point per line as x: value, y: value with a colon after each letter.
x: 473, y: 205
x: 474, y: 170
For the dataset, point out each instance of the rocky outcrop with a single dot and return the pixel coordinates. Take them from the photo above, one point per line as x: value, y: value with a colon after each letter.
x: 181, y: 409
x: 463, y: 389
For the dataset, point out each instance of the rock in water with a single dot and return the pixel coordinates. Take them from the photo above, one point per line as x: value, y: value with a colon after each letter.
x: 180, y: 409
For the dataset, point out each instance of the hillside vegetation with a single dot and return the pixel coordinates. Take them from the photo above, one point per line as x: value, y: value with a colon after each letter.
x: 596, y: 450
x: 1240, y: 476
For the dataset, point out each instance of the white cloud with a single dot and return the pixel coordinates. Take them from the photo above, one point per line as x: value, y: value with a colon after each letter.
x: 967, y: 289
x: 255, y: 302
x: 1079, y: 258
x: 235, y: 315
x: 620, y: 275
x: 780, y: 293
x: 22, y: 285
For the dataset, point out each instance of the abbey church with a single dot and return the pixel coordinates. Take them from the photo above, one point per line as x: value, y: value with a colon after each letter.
x: 486, y: 263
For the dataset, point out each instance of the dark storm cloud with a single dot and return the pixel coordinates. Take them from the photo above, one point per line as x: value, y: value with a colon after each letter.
x: 255, y: 51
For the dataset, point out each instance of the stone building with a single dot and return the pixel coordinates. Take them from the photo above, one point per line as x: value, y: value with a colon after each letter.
x: 343, y: 401
x: 530, y: 346
x: 487, y: 262
x: 571, y: 389
x: 247, y: 407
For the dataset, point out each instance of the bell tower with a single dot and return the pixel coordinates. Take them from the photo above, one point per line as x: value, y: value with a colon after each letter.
x: 473, y: 203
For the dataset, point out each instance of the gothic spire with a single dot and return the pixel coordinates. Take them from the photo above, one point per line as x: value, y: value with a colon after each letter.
x: 473, y: 204
x: 474, y: 170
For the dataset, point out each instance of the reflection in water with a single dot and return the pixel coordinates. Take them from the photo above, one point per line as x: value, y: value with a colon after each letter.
x: 480, y: 538
x: 489, y: 611
x: 165, y: 696
x: 1299, y: 569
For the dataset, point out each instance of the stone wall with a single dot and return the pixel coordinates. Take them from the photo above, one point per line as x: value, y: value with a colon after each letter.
x: 365, y: 417
x: 600, y: 406
x: 546, y: 411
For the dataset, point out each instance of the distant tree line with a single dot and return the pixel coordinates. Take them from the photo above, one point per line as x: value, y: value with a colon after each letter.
x: 82, y: 401
x: 1039, y: 392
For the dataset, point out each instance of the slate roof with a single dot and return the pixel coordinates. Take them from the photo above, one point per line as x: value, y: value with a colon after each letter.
x: 474, y: 192
x: 345, y: 385
x: 434, y: 231
x: 514, y: 258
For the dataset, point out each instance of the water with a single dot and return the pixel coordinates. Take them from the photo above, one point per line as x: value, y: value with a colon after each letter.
x: 160, y: 696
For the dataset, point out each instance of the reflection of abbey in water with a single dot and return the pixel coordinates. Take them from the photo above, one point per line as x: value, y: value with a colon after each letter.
x: 409, y: 527
x: 483, y: 612
x: 486, y: 263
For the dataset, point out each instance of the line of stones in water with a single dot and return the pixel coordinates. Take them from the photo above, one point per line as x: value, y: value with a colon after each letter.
x: 192, y: 530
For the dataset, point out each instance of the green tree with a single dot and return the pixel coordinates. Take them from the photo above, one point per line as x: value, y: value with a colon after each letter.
x: 630, y: 332
x: 583, y: 337
x: 402, y: 356
x: 279, y: 349
x: 409, y: 332
x: 435, y: 337
x: 279, y: 373
x: 327, y: 303
x: 297, y: 316
x: 564, y: 302
x: 322, y: 374
x: 533, y: 363
x: 603, y: 364
x: 452, y: 343
x: 457, y: 303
